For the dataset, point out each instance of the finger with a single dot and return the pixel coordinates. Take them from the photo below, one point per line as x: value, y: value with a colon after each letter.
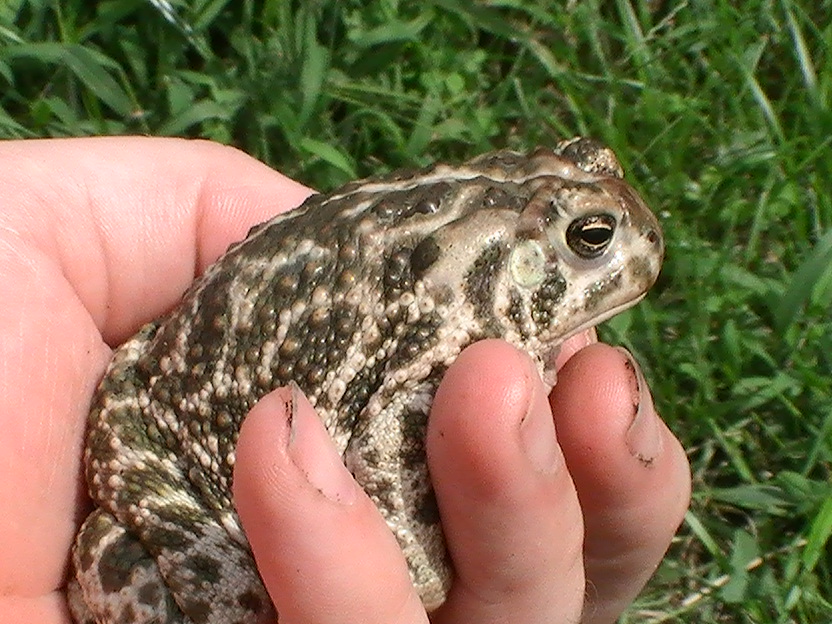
x: 131, y: 220
x: 575, y: 344
x: 47, y: 609
x: 631, y: 474
x: 508, y: 506
x: 322, y: 548
x: 96, y: 235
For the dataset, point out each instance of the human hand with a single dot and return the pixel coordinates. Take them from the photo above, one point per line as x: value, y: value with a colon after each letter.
x: 540, y: 527
x: 101, y: 235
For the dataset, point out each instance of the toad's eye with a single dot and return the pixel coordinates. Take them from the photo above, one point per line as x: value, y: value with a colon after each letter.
x: 589, y: 236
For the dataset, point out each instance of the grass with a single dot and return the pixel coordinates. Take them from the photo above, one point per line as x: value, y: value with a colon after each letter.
x: 720, y: 112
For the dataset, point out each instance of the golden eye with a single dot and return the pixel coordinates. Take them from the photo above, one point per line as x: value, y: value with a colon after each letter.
x: 590, y: 236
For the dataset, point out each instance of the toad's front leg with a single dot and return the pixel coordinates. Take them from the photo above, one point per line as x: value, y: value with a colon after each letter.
x: 387, y: 457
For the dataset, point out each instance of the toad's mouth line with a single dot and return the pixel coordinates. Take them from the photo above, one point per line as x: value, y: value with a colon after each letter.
x: 550, y: 369
x: 604, y: 316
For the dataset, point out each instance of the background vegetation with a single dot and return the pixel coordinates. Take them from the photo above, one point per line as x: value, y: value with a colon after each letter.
x: 719, y: 111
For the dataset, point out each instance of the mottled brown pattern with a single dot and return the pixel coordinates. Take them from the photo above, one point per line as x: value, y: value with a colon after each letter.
x: 361, y: 297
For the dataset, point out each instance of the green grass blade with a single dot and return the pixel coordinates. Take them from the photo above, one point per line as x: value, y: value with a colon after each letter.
x: 87, y: 66
x: 814, y: 269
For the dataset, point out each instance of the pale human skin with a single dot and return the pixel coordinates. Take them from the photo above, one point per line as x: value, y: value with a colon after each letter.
x: 98, y: 236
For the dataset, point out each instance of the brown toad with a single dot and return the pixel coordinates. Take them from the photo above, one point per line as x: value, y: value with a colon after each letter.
x: 363, y: 297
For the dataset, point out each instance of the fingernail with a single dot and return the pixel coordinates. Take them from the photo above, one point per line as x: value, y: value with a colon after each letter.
x: 537, y: 428
x: 575, y: 344
x: 591, y: 336
x: 312, y: 451
x: 644, y: 439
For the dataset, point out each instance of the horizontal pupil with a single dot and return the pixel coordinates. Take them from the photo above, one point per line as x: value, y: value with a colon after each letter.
x: 596, y: 234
